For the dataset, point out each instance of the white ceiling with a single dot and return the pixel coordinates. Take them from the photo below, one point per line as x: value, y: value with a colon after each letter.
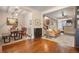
x: 38, y: 8
x: 41, y: 8
x: 20, y: 10
x: 3, y: 8
x: 58, y: 14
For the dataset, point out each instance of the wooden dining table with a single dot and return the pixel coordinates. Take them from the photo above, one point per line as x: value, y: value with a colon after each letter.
x: 16, y: 34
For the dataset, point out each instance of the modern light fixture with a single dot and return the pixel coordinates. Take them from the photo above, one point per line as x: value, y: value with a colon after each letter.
x: 13, y: 12
x: 46, y: 17
x: 63, y: 13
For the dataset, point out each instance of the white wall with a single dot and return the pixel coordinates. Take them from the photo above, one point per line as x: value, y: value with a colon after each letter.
x: 36, y: 17
x: 3, y: 18
x: 23, y: 19
x: 60, y: 25
x: 36, y: 20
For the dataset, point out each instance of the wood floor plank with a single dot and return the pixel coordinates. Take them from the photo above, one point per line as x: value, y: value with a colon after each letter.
x: 37, y: 46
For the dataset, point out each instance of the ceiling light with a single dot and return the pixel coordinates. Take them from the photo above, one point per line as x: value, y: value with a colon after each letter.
x: 46, y: 17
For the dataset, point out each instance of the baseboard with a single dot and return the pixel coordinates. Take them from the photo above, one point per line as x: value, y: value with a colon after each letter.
x: 69, y: 34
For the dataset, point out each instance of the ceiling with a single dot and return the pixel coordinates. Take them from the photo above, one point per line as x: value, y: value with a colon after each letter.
x: 58, y: 14
x: 41, y: 8
x: 3, y: 8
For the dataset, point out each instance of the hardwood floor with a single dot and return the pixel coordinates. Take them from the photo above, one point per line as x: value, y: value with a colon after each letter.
x: 37, y: 46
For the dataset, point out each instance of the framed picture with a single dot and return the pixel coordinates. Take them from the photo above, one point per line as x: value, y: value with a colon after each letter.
x: 37, y: 22
x: 12, y: 21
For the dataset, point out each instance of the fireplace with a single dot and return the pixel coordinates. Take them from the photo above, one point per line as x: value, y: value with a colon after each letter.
x: 37, y: 32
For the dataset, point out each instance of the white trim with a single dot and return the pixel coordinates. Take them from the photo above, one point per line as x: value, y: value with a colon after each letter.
x: 13, y: 42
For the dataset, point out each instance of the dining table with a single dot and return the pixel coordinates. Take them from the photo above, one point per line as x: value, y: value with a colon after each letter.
x: 16, y: 34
